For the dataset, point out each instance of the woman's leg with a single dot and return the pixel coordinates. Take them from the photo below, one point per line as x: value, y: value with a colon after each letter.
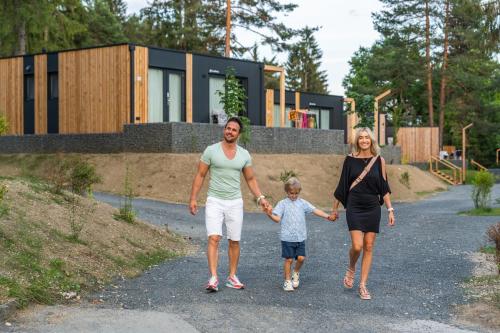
x: 356, y: 247
x: 366, y: 263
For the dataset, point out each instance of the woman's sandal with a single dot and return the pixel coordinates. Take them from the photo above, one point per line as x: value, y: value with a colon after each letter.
x: 364, y: 293
x: 349, y: 279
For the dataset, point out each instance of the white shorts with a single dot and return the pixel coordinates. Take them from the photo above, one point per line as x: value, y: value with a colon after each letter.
x: 230, y: 212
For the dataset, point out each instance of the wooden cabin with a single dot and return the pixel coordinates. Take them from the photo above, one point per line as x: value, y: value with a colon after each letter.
x: 100, y: 89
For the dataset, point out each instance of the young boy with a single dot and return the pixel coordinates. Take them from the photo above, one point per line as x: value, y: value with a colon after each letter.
x: 291, y: 213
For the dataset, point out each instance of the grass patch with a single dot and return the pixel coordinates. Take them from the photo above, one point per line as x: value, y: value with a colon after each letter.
x: 146, y: 260
x: 482, y: 212
x: 489, y: 249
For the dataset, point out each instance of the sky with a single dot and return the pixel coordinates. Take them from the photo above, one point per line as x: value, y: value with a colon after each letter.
x: 345, y: 26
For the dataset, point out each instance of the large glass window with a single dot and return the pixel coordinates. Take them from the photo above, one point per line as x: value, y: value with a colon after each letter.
x: 325, y: 119
x: 174, y: 97
x: 155, y: 95
x: 216, y: 108
x: 313, y: 114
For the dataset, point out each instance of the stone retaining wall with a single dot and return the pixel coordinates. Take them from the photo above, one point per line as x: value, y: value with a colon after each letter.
x: 185, y: 138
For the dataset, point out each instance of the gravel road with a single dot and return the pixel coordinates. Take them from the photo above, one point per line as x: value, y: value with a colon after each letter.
x: 415, y: 280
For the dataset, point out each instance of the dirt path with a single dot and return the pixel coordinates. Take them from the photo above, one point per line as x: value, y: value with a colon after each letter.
x: 415, y: 281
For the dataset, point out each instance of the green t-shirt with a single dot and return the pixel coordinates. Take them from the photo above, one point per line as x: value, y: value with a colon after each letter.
x: 225, y: 173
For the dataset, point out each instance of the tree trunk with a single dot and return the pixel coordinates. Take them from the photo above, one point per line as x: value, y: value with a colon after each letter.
x: 442, y: 92
x: 21, y: 38
x: 429, y: 65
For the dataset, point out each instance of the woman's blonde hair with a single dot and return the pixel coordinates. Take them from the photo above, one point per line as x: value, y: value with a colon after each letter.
x: 374, y: 147
x: 292, y: 183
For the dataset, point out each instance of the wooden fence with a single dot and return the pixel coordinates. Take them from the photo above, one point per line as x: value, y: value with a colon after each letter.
x: 418, y: 143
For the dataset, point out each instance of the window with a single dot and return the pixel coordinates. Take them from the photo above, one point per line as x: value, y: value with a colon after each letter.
x: 314, y: 114
x: 216, y: 108
x: 174, y: 97
x: 53, y: 86
x: 325, y: 119
x: 155, y: 95
x: 29, y: 88
x: 277, y: 116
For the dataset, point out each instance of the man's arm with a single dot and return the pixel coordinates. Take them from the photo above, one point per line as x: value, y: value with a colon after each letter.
x: 254, y: 187
x: 197, y: 183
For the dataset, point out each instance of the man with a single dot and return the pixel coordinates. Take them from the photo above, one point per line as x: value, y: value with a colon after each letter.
x: 225, y: 160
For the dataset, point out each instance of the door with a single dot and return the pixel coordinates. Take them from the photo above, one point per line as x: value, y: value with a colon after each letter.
x: 166, y: 96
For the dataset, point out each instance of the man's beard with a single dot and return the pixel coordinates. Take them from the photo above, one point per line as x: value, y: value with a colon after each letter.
x: 230, y: 140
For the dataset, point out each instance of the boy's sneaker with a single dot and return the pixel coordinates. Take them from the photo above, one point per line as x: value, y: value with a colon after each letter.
x: 295, y: 279
x: 287, y: 286
x: 234, y: 282
x: 212, y: 284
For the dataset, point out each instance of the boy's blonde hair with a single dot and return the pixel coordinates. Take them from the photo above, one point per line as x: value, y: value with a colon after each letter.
x: 292, y: 183
x: 374, y: 147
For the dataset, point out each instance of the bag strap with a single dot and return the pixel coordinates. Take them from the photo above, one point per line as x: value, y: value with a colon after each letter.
x: 363, y: 173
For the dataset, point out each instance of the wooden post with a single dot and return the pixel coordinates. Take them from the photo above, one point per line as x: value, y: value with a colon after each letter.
x: 269, y: 107
x: 282, y: 98
x: 464, y: 143
x: 227, y: 52
x: 498, y: 156
x: 276, y: 69
x: 375, y: 111
x: 189, y: 88
x: 382, y: 130
x: 352, y: 119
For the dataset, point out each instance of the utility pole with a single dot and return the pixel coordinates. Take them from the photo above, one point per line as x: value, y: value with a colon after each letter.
x: 227, y: 52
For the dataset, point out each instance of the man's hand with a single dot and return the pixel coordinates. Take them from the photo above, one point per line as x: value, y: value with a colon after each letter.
x: 193, y: 207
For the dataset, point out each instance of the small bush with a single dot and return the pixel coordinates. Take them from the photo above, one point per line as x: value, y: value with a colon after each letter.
x: 3, y: 191
x: 405, y: 179
x: 287, y: 174
x: 126, y: 212
x: 481, y: 193
x: 4, y: 125
x: 83, y: 176
x: 493, y: 234
x: 59, y: 174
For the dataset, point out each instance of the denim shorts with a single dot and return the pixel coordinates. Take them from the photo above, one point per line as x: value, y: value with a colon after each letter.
x: 293, y: 249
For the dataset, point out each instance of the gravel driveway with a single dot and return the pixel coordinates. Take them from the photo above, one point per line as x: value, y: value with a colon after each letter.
x: 417, y: 268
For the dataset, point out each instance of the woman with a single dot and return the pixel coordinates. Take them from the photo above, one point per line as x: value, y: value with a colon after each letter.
x: 362, y: 203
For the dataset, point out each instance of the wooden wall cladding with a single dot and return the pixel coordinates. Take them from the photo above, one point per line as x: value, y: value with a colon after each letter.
x: 141, y: 65
x: 11, y: 93
x: 94, y: 90
x: 418, y: 143
x: 41, y: 94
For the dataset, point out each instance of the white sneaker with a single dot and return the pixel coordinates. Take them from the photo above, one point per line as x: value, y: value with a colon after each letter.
x: 295, y: 279
x: 287, y: 286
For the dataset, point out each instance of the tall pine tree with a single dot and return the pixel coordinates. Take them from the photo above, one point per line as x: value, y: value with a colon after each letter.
x: 303, y: 71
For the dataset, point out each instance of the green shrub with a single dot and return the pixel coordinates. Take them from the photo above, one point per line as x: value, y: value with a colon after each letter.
x: 4, y: 125
x: 405, y: 179
x: 287, y: 174
x: 59, y: 174
x: 3, y: 191
x: 83, y: 176
x: 481, y: 192
x: 126, y: 212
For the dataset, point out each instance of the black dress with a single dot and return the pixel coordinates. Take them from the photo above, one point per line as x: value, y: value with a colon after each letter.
x: 363, y: 202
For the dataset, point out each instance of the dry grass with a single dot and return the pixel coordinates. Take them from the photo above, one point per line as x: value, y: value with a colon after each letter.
x: 54, y: 243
